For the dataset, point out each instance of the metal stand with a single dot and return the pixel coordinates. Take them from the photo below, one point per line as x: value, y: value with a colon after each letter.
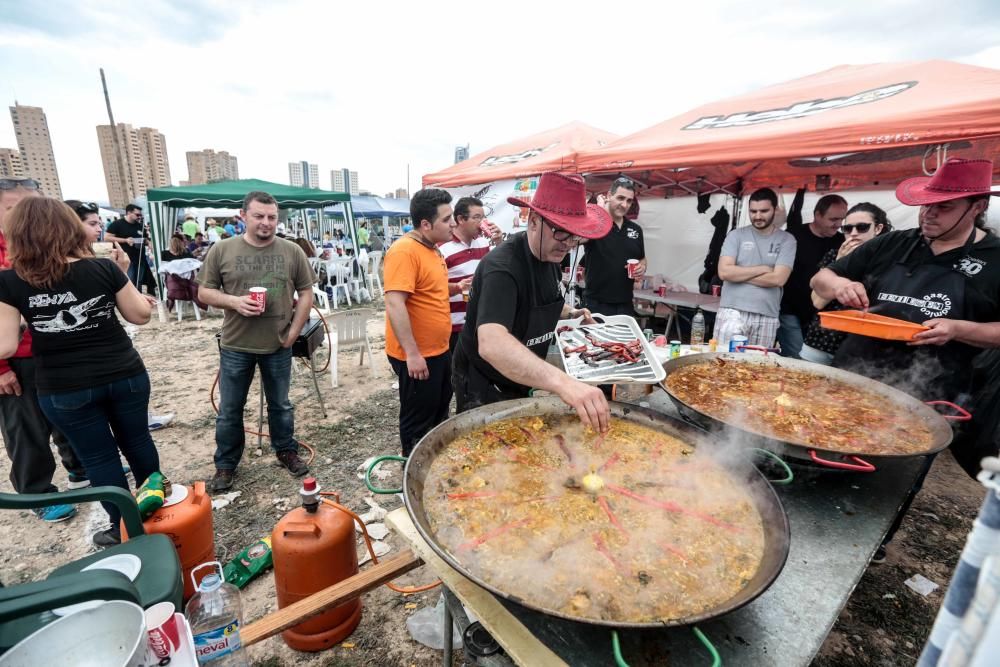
x: 454, y: 614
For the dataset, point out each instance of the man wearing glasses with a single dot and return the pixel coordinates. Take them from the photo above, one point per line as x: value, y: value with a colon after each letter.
x: 609, y: 283
x: 462, y: 254
x: 25, y: 429
x: 517, y: 298
x: 129, y: 233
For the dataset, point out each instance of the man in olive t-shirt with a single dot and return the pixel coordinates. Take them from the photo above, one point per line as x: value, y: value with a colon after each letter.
x: 253, y: 335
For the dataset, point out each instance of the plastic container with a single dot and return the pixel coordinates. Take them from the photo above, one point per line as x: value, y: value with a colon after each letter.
x: 697, y: 331
x: 215, y: 614
x: 737, y: 342
x: 186, y: 518
x: 313, y: 548
x: 869, y: 324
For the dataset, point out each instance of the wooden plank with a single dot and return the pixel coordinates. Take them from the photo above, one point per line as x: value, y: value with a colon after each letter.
x: 521, y: 646
x: 332, y: 596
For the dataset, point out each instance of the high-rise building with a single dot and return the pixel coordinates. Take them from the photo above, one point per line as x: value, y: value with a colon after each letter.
x: 303, y: 174
x: 143, y: 156
x: 344, y: 180
x: 207, y: 166
x: 11, y: 165
x: 461, y: 153
x: 401, y: 193
x: 33, y: 140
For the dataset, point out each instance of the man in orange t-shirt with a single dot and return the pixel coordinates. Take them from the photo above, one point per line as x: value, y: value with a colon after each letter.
x: 418, y: 317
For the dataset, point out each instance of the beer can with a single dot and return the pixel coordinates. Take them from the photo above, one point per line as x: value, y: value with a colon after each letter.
x: 648, y: 333
x: 737, y: 342
x: 675, y: 349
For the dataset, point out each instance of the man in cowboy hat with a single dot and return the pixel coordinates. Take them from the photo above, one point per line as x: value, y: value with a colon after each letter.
x: 516, y: 300
x: 945, y: 275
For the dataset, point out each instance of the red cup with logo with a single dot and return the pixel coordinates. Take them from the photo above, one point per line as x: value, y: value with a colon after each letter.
x: 163, y: 630
x: 259, y: 294
x: 661, y: 290
x: 716, y: 290
x: 630, y: 266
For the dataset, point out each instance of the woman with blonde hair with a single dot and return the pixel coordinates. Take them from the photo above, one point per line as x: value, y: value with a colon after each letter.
x: 92, y: 385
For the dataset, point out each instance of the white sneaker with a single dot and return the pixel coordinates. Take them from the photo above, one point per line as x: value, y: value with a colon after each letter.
x: 156, y: 422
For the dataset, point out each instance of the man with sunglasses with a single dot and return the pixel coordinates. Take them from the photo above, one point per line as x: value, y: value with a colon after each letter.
x: 517, y: 298
x: 609, y: 285
x: 813, y: 242
x: 130, y: 234
x: 26, y: 431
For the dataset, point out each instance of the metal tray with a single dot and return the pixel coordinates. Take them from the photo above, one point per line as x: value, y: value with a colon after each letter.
x: 611, y: 328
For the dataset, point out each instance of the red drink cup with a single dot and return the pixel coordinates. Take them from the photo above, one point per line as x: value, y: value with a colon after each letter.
x: 716, y: 290
x: 662, y: 290
x: 630, y: 266
x: 163, y: 630
x: 259, y: 294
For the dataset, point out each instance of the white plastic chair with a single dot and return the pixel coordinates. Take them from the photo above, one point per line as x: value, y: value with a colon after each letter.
x: 374, y: 267
x: 349, y: 327
x: 320, y: 298
x: 338, y: 276
x: 178, y: 306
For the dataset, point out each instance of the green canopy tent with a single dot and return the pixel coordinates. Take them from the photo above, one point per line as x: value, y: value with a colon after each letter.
x: 164, y: 204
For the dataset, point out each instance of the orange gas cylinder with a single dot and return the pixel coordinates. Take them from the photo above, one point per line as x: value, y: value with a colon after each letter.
x: 186, y: 517
x: 313, y: 548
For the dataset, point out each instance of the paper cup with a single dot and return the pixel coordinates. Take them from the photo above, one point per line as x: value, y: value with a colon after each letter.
x: 716, y: 290
x: 630, y: 266
x: 102, y: 248
x: 163, y: 630
x: 259, y: 294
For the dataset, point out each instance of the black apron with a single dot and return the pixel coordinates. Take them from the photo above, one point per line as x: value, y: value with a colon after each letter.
x: 477, y: 383
x: 916, y: 293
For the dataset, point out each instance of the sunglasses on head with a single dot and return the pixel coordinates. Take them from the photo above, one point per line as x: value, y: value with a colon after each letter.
x: 87, y: 207
x: 862, y: 228
x: 625, y: 182
x: 13, y: 183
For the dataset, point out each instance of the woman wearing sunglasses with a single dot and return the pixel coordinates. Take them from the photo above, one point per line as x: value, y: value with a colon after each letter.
x: 863, y: 222
x: 92, y: 384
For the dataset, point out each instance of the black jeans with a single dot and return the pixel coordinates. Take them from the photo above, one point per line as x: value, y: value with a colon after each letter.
x: 423, y: 404
x: 609, y: 308
x: 26, y: 432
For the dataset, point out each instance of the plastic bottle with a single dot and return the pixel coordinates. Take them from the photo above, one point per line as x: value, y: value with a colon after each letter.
x: 215, y: 615
x: 697, y: 331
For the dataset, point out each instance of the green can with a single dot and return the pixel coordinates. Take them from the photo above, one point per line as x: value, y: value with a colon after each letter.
x: 648, y: 333
x: 675, y: 349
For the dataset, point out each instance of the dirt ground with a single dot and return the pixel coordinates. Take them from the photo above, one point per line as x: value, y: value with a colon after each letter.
x: 885, y: 623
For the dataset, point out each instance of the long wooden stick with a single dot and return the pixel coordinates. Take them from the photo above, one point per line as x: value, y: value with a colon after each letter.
x: 329, y: 597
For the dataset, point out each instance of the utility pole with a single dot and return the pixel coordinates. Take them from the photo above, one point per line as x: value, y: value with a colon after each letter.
x: 122, y: 175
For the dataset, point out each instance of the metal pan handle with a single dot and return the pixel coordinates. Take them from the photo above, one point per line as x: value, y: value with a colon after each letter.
x: 962, y: 416
x: 859, y: 465
x: 781, y: 463
x: 368, y: 475
x: 765, y: 350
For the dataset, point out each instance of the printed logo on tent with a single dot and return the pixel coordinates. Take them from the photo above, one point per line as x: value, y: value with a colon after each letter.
x: 799, y: 109
x: 497, y: 160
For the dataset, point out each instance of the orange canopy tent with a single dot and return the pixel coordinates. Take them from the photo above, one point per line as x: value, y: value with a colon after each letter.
x: 853, y: 126
x: 552, y: 150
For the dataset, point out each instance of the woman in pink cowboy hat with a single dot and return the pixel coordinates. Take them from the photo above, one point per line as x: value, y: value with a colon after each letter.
x: 945, y: 275
x: 516, y: 299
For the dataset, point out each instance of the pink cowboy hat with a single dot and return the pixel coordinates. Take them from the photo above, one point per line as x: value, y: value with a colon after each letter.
x: 955, y: 179
x: 562, y: 200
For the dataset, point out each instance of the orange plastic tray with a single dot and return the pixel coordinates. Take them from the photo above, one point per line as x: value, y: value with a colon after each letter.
x: 869, y: 324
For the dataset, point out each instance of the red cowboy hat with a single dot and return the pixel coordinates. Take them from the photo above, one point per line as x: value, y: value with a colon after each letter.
x: 955, y: 179
x: 562, y: 200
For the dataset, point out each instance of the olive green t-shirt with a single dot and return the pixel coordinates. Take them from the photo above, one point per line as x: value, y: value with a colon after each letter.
x: 233, y: 266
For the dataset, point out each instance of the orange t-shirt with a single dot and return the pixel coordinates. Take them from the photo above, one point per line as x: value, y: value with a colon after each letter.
x: 421, y: 272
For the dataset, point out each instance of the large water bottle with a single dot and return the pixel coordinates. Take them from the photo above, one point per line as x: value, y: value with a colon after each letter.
x: 697, y: 331
x: 215, y: 615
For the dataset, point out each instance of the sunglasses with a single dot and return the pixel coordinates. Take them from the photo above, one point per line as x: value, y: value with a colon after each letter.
x: 625, y: 182
x: 13, y: 183
x: 87, y: 207
x: 862, y: 228
x: 562, y: 236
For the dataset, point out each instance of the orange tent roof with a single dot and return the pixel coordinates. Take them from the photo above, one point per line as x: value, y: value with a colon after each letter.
x: 858, y: 125
x: 552, y: 150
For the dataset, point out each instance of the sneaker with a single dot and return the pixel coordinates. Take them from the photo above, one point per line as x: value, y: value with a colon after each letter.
x: 55, y: 513
x: 290, y: 459
x: 157, y: 422
x: 107, y: 538
x: 77, y: 481
x: 879, y: 556
x: 222, y: 480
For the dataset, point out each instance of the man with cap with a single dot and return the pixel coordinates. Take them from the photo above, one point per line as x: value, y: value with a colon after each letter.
x: 516, y: 300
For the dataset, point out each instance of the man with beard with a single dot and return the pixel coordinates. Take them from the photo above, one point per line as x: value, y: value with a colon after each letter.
x: 609, y: 286
x: 256, y: 333
x: 754, y: 265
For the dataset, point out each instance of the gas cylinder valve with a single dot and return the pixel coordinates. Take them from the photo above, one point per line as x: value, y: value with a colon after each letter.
x: 310, y: 494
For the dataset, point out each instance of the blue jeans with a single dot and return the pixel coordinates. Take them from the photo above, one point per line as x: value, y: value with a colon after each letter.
x: 103, y: 420
x: 236, y: 370
x: 790, y: 335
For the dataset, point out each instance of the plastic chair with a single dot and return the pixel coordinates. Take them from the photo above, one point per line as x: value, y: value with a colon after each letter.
x: 373, y: 277
x: 159, y: 580
x: 338, y: 276
x: 179, y: 307
x: 351, y: 328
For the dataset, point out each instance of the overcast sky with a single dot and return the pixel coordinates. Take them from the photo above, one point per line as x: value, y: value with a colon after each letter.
x: 375, y: 86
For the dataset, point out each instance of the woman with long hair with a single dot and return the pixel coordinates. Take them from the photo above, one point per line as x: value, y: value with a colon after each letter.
x: 178, y: 250
x: 90, y: 215
x: 92, y: 385
x: 863, y: 222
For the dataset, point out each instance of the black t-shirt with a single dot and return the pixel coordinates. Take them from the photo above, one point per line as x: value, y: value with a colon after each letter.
x: 124, y: 229
x: 167, y: 256
x: 76, y: 338
x: 604, y: 261
x: 809, y: 252
x: 508, y: 283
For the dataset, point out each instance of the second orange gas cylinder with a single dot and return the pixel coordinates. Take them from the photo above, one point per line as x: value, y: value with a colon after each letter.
x: 186, y: 517
x: 313, y: 548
